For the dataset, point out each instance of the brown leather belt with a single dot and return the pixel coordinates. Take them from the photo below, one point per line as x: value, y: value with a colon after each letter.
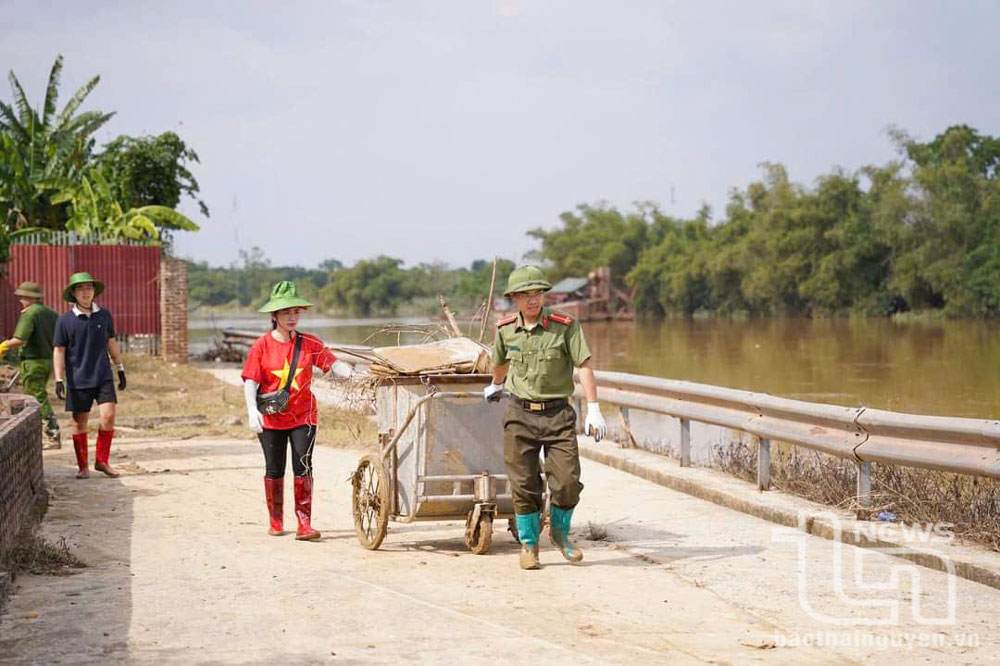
x: 535, y: 406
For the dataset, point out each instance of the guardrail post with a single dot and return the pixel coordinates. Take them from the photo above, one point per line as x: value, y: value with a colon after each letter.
x: 763, y: 464
x: 864, y: 489
x: 685, y: 443
x: 627, y: 427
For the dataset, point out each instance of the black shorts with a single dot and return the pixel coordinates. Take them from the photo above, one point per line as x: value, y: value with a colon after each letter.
x: 82, y: 399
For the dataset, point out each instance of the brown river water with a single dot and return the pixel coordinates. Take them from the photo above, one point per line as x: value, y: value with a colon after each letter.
x: 948, y: 368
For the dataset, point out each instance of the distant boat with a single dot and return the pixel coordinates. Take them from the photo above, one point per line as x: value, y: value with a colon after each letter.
x: 593, y: 298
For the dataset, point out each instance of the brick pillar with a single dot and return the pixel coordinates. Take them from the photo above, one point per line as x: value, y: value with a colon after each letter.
x: 9, y: 306
x: 173, y: 310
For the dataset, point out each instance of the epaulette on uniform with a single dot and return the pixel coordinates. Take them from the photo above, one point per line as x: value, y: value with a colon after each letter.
x: 561, y: 318
x: 507, y: 320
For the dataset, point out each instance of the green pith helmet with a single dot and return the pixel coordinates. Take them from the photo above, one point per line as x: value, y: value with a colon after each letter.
x: 80, y: 278
x: 29, y: 290
x: 526, y: 278
x: 284, y: 295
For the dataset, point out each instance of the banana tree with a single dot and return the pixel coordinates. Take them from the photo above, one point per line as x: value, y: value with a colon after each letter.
x: 38, y: 146
x: 94, y: 209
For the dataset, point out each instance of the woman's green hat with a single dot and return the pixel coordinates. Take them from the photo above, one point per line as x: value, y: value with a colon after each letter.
x: 526, y: 278
x: 80, y: 278
x: 284, y: 295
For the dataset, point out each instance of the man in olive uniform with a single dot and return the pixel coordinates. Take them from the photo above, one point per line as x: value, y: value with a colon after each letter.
x: 33, y: 334
x: 534, y: 353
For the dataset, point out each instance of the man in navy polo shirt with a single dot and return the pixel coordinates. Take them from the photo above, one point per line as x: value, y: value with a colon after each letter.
x: 85, y: 336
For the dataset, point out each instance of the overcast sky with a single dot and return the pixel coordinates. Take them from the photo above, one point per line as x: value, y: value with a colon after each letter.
x: 444, y: 130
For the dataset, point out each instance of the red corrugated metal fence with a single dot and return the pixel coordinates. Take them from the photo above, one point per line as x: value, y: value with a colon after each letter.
x: 130, y: 274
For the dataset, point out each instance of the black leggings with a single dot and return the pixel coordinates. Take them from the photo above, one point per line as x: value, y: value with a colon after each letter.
x: 275, y: 445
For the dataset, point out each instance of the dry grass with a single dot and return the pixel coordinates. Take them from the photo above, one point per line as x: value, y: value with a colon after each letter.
x: 156, y: 388
x: 971, y: 503
x: 34, y: 555
x: 916, y: 496
x: 594, y: 532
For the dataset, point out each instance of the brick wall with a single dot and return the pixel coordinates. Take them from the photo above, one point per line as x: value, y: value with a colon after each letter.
x: 22, y: 483
x: 173, y: 310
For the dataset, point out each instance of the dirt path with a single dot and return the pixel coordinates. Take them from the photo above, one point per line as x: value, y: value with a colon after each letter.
x: 182, y: 571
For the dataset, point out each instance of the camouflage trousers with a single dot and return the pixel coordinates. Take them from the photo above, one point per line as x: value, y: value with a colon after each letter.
x: 526, y: 434
x: 35, y: 374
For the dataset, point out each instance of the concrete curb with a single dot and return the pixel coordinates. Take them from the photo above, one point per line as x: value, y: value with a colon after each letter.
x: 974, y: 564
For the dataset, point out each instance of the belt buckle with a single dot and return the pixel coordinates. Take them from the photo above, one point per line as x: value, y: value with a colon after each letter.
x: 536, y: 406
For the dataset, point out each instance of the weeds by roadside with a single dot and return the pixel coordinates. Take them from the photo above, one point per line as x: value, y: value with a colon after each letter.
x: 32, y: 554
x: 595, y: 532
x: 971, y: 504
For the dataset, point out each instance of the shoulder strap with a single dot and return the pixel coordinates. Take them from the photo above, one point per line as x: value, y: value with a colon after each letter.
x: 295, y: 361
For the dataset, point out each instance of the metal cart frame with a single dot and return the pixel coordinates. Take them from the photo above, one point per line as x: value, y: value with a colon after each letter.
x: 385, y: 486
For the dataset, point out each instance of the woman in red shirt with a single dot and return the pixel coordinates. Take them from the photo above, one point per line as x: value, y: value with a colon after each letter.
x: 267, y: 369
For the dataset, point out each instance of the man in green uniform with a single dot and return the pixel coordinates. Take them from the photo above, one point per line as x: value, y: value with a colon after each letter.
x: 534, y: 353
x: 34, y: 332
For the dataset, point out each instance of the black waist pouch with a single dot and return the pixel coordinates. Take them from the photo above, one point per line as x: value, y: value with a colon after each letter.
x: 277, y: 401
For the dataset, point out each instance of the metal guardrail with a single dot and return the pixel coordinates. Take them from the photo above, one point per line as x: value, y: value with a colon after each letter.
x: 947, y: 444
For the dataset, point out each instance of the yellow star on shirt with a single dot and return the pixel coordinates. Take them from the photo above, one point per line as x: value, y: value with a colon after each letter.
x: 283, y: 376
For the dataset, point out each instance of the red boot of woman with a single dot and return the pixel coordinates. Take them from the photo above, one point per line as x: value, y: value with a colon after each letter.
x: 274, y: 492
x: 303, y: 508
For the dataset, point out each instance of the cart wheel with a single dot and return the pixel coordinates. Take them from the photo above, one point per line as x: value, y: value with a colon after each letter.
x: 512, y: 528
x: 370, y: 501
x: 479, y: 538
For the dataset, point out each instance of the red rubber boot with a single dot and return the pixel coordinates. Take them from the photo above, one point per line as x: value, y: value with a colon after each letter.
x: 103, y: 453
x: 303, y: 508
x: 80, y: 447
x: 274, y: 492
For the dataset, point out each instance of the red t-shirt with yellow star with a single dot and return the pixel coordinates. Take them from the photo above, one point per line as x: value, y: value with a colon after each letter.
x: 268, y: 364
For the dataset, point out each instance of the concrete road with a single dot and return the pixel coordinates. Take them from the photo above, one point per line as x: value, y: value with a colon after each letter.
x: 181, y: 570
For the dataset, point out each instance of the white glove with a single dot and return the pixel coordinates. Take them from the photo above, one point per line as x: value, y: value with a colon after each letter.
x: 255, y: 420
x: 493, y: 392
x: 594, y: 425
x: 342, y: 370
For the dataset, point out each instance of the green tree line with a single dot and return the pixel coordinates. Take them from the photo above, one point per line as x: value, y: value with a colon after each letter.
x: 917, y: 234
x: 371, y: 287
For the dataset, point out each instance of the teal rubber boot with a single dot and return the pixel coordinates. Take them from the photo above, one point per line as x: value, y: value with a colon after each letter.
x: 528, y: 527
x: 559, y: 533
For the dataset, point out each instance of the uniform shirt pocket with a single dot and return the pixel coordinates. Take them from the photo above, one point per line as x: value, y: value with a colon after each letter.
x: 553, y: 359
